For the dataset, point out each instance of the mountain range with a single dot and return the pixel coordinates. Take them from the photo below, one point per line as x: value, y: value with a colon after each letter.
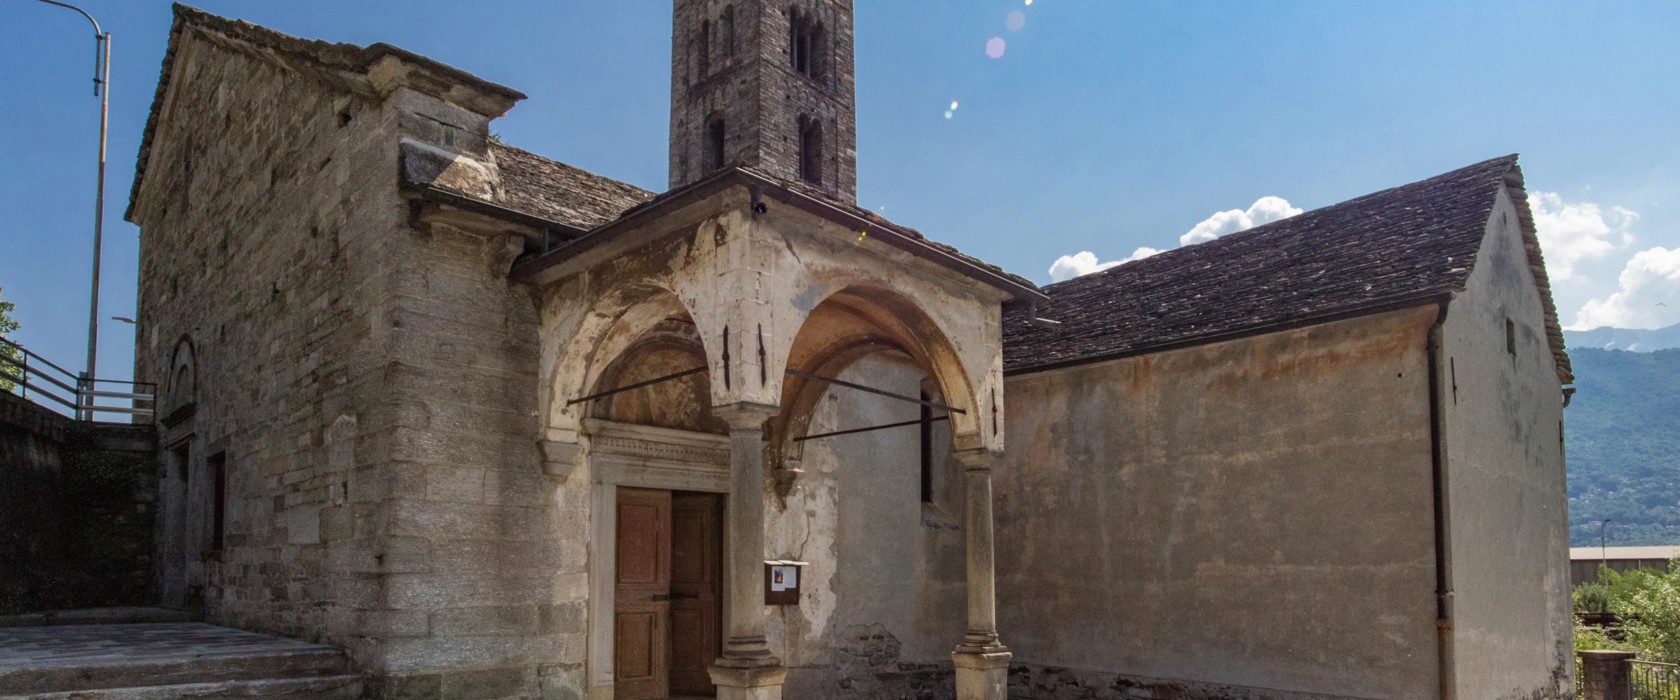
x: 1630, y: 339
x: 1622, y: 436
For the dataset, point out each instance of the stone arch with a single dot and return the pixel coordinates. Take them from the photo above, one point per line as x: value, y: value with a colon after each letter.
x: 853, y: 322
x: 684, y: 403
x: 180, y: 393
x: 589, y: 340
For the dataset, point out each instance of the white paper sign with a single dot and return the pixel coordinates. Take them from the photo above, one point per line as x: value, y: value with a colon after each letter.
x: 784, y: 578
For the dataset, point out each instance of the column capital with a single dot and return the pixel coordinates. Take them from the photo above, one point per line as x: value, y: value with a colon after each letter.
x: 978, y: 459
x: 746, y: 415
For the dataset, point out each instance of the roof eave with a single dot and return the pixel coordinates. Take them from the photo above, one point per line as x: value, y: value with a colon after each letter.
x: 730, y: 177
x: 1431, y: 298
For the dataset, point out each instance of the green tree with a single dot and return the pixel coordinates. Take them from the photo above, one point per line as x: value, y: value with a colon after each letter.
x: 1651, y: 616
x: 9, y: 373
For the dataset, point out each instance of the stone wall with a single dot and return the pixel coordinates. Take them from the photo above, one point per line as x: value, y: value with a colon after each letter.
x: 1503, y: 420
x: 267, y: 207
x: 1253, y: 515
x: 751, y: 85
x: 76, y: 503
x: 366, y: 376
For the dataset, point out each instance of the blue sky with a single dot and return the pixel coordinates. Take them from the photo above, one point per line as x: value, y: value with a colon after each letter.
x: 1105, y: 126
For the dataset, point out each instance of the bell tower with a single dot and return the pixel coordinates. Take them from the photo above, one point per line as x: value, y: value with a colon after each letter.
x: 766, y: 84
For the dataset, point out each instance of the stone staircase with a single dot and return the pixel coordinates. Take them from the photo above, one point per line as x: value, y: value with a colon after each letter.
x: 159, y: 660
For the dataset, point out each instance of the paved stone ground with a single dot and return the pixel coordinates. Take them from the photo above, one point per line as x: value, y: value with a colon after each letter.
x: 90, y: 645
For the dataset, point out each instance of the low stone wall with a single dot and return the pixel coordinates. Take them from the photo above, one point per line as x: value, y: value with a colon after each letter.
x: 75, y: 511
x: 1028, y: 681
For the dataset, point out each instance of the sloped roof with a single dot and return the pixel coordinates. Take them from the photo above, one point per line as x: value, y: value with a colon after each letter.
x: 559, y: 192
x: 803, y: 197
x: 1403, y: 245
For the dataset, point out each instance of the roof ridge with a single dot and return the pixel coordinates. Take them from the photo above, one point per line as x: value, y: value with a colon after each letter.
x: 1402, y: 245
x: 1245, y: 234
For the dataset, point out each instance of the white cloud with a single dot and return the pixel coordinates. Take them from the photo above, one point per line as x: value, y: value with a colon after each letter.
x: 1648, y: 294
x: 1572, y: 232
x: 1264, y: 211
x: 1085, y: 262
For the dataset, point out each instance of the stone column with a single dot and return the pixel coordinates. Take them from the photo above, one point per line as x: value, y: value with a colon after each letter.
x: 747, y: 670
x: 982, y: 661
x: 1604, y: 675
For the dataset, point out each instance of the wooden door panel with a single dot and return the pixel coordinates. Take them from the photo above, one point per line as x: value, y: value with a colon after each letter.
x: 696, y: 573
x: 639, y: 545
x: 641, y: 609
x: 634, y: 654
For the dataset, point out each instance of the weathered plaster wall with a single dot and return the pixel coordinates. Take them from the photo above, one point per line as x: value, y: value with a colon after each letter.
x: 1504, y: 417
x: 884, y: 595
x: 760, y: 277
x: 1250, y: 514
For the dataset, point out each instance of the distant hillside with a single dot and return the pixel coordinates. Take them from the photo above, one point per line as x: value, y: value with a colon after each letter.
x: 1622, y: 433
x: 1633, y: 339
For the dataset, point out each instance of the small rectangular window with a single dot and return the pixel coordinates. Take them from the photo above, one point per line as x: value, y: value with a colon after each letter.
x: 715, y: 143
x: 218, y: 533
x: 810, y: 150
x: 927, y: 450
x: 704, y: 52
x: 805, y: 41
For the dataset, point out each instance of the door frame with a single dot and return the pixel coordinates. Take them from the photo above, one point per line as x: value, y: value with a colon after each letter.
x: 638, y: 456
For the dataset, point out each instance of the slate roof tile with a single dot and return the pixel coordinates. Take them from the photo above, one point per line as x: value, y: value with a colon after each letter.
x: 559, y: 192
x: 1394, y: 246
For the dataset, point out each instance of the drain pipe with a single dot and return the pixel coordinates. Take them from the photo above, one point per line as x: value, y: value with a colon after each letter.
x: 1443, y: 513
x: 1035, y: 321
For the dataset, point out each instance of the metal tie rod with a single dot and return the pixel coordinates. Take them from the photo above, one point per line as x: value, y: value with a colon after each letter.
x: 873, y: 390
x: 903, y: 424
x: 637, y: 385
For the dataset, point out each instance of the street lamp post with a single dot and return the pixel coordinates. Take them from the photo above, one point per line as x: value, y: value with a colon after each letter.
x: 1603, y: 552
x: 102, y: 90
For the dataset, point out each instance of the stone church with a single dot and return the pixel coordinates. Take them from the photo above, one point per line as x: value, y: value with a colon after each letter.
x: 501, y: 427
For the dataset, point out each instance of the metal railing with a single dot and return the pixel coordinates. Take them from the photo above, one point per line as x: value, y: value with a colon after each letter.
x: 83, y: 398
x: 1654, y: 680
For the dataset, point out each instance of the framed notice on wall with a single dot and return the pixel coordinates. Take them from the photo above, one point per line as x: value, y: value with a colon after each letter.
x: 781, y: 581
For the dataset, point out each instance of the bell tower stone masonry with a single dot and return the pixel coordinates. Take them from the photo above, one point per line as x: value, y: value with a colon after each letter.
x: 766, y: 84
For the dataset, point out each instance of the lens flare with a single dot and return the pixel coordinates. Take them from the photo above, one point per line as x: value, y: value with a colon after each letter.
x: 995, y: 47
x: 1016, y: 20
x: 953, y: 104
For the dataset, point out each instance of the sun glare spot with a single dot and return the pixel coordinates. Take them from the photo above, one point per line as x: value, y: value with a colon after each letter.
x: 994, y: 47
x: 953, y: 104
x: 1016, y: 20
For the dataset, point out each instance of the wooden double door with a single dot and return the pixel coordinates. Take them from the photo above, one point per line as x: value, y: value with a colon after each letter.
x: 667, y: 593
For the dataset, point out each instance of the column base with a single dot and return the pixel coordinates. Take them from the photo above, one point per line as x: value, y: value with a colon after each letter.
x: 758, y: 679
x: 982, y: 675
